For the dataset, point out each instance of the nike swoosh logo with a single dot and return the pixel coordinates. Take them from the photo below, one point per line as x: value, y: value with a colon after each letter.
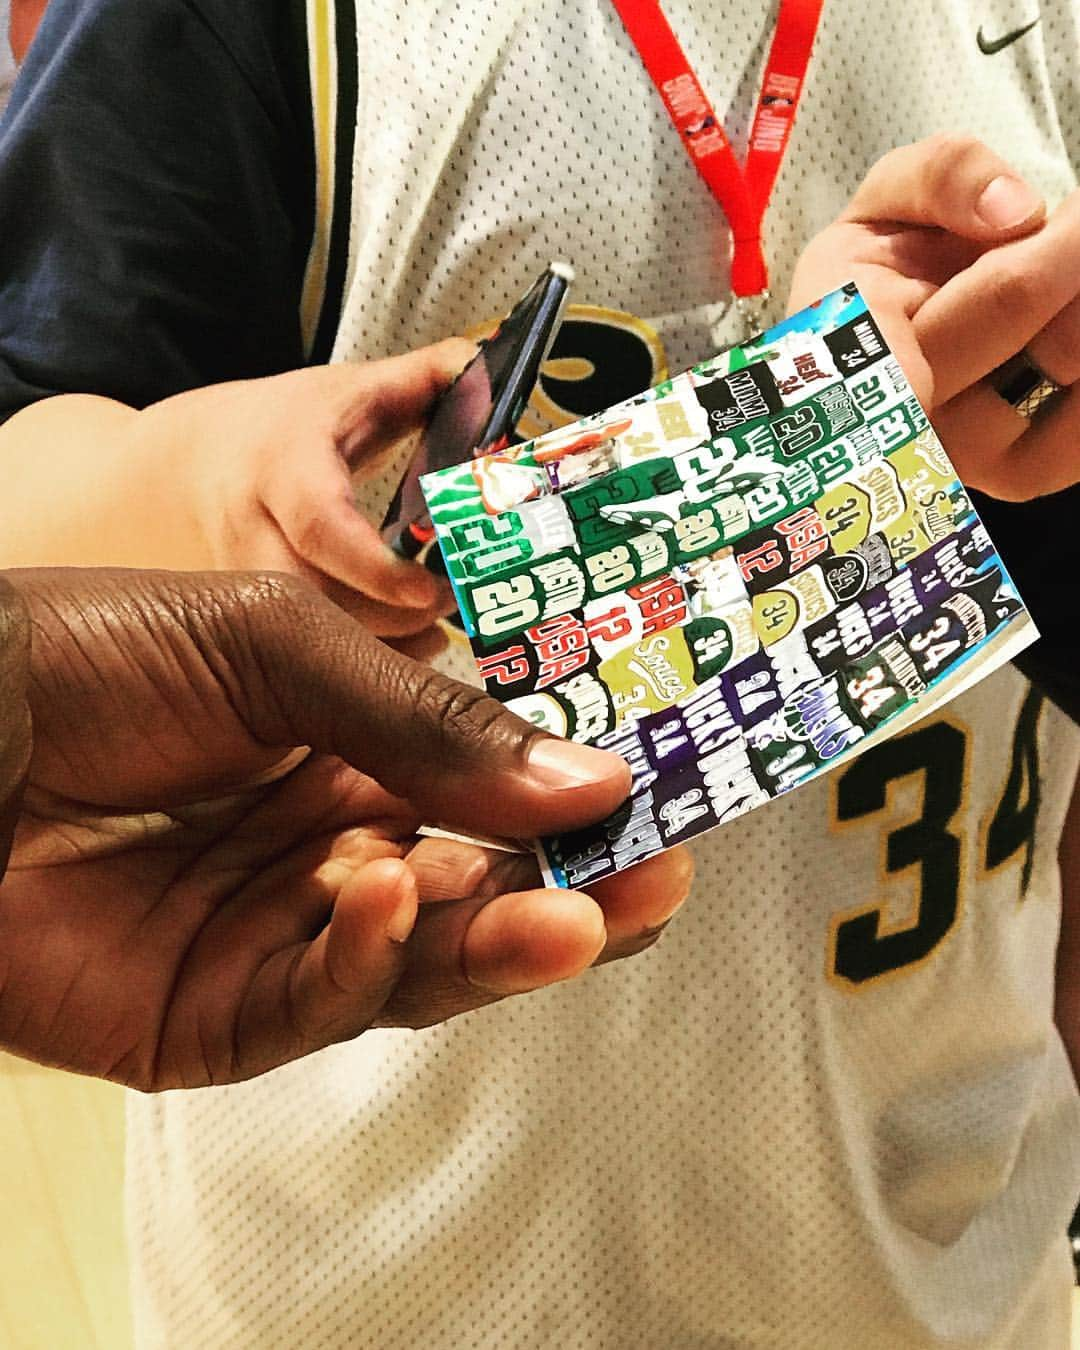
x: 988, y: 46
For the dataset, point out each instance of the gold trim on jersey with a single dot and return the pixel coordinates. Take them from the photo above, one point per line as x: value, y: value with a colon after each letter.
x: 322, y: 65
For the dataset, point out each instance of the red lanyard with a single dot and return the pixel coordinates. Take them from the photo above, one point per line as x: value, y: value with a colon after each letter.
x: 743, y: 192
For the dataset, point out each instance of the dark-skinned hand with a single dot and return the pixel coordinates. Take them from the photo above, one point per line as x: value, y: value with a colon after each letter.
x: 194, y: 897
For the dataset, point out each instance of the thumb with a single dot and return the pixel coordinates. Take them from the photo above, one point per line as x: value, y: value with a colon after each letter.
x: 378, y: 402
x: 363, y: 412
x: 304, y: 673
x: 952, y: 182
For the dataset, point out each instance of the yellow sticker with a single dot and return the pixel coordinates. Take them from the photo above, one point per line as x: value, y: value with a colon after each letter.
x: 650, y: 676
x: 800, y: 600
x: 848, y: 514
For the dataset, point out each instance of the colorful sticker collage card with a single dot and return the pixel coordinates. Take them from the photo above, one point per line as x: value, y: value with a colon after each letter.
x: 735, y: 580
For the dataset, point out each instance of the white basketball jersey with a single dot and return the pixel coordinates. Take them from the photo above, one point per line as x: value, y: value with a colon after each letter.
x: 829, y: 1111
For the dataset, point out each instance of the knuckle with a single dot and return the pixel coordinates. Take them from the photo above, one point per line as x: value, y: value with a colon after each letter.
x: 950, y: 156
x: 256, y: 591
x: 255, y: 604
x: 951, y: 152
x: 951, y: 164
x: 309, y: 535
x: 1008, y: 291
x: 462, y: 713
x: 885, y: 164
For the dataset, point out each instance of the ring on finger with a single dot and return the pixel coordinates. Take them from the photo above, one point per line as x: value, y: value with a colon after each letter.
x: 1023, y: 386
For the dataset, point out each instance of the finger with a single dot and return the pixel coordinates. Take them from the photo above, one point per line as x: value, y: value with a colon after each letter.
x: 1005, y: 455
x: 273, y: 552
x: 952, y: 182
x: 535, y: 938
x: 424, y: 646
x: 997, y: 305
x: 450, y: 869
x: 381, y: 401
x: 636, y: 903
x: 915, y: 254
x: 894, y: 298
x: 309, y: 495
x: 880, y: 256
x: 346, y: 974
x: 1056, y: 349
x: 467, y: 953
x: 307, y: 997
x: 400, y: 627
x: 238, y: 996
x: 1044, y: 459
x: 639, y: 903
x: 302, y: 673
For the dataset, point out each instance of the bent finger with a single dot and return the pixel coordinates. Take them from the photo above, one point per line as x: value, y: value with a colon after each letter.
x: 640, y: 902
x: 953, y: 182
x: 331, y: 989
x: 1005, y: 455
x: 996, y: 306
x: 452, y: 869
x: 468, y: 953
x: 311, y: 500
x: 273, y: 552
x: 1056, y: 349
x: 383, y: 400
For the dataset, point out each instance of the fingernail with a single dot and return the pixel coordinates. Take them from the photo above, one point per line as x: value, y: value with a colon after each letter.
x: 445, y: 600
x: 563, y: 764
x: 1006, y: 201
x: 499, y: 983
x: 400, y: 924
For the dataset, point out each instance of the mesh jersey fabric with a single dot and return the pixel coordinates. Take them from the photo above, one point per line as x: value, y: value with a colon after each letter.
x: 726, y: 1142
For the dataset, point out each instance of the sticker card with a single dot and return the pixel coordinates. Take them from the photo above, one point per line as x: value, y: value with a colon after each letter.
x: 735, y: 580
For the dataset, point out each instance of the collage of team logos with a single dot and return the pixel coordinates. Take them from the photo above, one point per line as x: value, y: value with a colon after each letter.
x: 734, y: 580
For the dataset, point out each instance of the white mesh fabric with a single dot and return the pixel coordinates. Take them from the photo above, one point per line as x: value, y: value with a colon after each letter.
x: 713, y: 1145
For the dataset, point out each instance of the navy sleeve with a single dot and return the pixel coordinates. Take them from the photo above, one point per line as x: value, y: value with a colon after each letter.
x: 155, y: 200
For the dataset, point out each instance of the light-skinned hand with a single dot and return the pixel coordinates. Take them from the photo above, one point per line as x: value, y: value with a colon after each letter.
x: 252, y: 474
x: 955, y: 255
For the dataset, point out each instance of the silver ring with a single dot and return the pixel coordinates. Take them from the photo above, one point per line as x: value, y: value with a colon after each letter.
x: 1023, y: 386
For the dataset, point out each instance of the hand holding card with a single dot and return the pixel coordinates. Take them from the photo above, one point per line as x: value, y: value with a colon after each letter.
x: 735, y: 580
x: 478, y: 413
